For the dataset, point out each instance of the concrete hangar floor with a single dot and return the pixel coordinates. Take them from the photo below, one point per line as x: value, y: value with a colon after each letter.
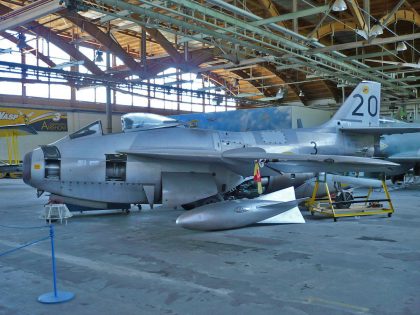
x: 143, y: 263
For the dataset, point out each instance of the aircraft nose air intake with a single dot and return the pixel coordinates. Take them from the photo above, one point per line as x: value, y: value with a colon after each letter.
x: 27, y: 162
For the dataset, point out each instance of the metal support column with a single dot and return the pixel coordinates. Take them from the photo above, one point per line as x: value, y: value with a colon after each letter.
x: 108, y: 98
x: 143, y: 48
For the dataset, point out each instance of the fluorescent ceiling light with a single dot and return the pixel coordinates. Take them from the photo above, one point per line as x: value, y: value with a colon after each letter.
x: 339, y: 6
x: 99, y: 54
x: 21, y: 43
x: 376, y: 30
x: 401, y: 46
x: 280, y: 93
x: 362, y: 33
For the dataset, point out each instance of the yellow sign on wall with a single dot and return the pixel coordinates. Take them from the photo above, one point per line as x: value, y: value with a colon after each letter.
x: 40, y: 120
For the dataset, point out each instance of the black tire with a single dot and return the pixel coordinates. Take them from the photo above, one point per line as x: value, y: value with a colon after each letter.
x: 343, y: 196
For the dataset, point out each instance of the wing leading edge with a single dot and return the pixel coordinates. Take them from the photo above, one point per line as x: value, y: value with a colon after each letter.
x: 281, y: 162
x: 380, y: 130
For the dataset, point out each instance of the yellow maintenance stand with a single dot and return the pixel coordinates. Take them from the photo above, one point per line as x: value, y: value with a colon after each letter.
x: 10, y: 133
x: 348, y: 205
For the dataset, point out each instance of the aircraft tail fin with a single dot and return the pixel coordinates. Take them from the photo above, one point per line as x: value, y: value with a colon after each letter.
x: 361, y: 108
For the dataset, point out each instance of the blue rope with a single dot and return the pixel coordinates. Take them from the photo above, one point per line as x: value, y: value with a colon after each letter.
x: 24, y: 227
x: 23, y: 246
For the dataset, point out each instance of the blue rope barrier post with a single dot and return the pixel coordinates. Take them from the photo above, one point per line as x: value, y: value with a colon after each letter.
x: 55, y: 296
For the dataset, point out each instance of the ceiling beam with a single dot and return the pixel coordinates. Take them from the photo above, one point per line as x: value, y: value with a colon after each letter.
x: 165, y: 44
x: 387, y: 18
x: 52, y: 37
x: 295, y: 90
x: 358, y: 15
x: 27, y: 13
x: 292, y: 16
x: 363, y: 43
x: 340, y: 26
x: 244, y: 75
x: 103, y: 38
x: 220, y: 81
x: 155, y: 66
x: 32, y: 50
x: 372, y: 55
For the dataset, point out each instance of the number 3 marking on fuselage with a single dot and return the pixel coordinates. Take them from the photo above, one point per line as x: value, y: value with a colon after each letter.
x: 372, y: 106
x: 315, y: 148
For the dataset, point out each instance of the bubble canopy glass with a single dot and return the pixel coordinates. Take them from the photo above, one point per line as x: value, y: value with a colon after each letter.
x: 144, y: 121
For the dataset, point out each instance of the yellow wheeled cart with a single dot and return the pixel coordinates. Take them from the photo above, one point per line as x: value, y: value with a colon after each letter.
x: 348, y: 205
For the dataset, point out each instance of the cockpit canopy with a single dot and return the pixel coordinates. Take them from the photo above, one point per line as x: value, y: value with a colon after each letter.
x: 144, y: 121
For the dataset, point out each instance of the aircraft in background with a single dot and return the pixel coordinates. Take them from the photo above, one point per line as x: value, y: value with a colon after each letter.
x: 161, y: 161
x: 400, y: 148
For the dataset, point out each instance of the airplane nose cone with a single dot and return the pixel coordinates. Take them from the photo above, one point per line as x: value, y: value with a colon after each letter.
x: 27, y: 162
x: 190, y: 220
x: 184, y: 219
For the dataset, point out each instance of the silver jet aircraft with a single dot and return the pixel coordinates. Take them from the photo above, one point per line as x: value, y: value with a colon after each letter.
x: 160, y: 161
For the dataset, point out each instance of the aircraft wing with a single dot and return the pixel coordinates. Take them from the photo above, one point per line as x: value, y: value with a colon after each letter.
x: 380, y: 130
x: 295, y: 163
x: 178, y: 154
x: 409, y: 156
x: 18, y: 130
x: 281, y: 162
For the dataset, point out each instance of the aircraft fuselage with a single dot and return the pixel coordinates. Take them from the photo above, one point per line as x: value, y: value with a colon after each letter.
x: 92, y: 168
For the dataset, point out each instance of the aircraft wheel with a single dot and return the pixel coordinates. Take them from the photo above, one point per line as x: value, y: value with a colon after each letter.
x: 2, y: 175
x: 335, y: 219
x: 126, y: 211
x: 389, y: 215
x: 344, y: 196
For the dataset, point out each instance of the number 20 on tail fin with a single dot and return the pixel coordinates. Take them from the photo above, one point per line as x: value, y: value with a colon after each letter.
x: 361, y: 108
